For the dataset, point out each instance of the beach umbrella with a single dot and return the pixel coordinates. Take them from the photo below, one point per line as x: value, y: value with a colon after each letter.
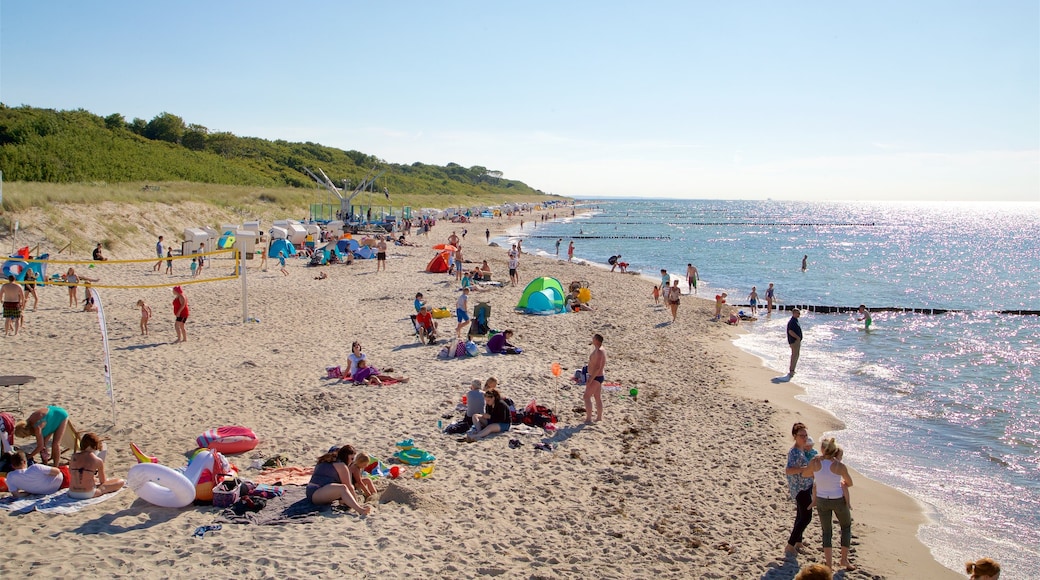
x: 445, y: 248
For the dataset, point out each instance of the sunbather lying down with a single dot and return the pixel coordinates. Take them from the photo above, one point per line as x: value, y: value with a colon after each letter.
x: 371, y: 375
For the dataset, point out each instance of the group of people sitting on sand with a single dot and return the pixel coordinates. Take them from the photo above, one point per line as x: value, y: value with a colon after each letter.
x: 487, y: 412
x: 361, y: 372
x: 86, y: 470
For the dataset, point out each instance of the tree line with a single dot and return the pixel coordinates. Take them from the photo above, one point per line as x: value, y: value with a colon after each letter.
x: 47, y: 145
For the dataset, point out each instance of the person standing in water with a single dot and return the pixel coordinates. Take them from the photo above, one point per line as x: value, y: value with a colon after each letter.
x: 770, y: 296
x: 805, y: 262
x: 864, y: 317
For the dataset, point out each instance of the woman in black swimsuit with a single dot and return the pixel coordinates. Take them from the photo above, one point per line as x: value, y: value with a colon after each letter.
x: 87, y: 470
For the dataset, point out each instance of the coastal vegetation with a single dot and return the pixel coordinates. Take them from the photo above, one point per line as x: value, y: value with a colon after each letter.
x: 77, y: 158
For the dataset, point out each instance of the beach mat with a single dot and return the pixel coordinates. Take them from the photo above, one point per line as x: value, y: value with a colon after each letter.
x: 56, y: 503
x: 292, y: 507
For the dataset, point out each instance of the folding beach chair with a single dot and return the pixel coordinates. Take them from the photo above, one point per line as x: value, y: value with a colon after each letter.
x: 481, y: 317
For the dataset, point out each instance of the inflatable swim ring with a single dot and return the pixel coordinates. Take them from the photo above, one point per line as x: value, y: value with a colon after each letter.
x: 415, y: 456
x: 14, y: 268
x: 228, y: 439
x: 160, y: 485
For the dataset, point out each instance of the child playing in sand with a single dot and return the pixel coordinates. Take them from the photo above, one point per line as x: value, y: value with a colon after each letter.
x: 146, y: 315
x: 656, y: 294
x: 361, y: 483
x: 88, y: 302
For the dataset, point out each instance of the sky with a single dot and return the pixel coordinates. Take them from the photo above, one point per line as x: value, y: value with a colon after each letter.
x: 887, y: 100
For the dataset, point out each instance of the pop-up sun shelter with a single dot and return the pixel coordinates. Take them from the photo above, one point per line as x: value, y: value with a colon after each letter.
x: 542, y: 296
x: 439, y: 263
x: 281, y: 246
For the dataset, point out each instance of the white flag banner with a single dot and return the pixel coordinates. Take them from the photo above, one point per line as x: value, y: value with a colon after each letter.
x: 104, y: 342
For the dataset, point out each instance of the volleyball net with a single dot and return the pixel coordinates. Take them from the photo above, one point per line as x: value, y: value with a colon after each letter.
x: 202, y: 267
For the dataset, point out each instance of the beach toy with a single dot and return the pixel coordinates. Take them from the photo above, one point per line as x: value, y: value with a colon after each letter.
x: 405, y: 444
x: 160, y: 485
x: 141, y: 457
x: 556, y: 369
x: 633, y: 392
x: 413, y: 456
x: 424, y: 472
x: 395, y: 472
x: 3, y: 484
x: 228, y: 439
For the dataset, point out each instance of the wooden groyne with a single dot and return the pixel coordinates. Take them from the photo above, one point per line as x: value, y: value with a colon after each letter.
x: 851, y: 309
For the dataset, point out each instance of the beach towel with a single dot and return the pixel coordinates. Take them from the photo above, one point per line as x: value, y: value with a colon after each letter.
x: 292, y: 507
x: 285, y: 476
x: 58, y: 502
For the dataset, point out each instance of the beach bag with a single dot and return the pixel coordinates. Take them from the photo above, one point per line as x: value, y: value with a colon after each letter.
x: 537, y: 415
x: 333, y: 373
x: 226, y: 493
x: 459, y: 427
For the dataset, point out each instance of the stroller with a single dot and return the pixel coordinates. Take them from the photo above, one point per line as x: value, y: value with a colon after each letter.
x: 481, y: 316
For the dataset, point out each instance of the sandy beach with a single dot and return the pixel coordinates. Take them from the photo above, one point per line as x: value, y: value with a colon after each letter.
x: 684, y: 480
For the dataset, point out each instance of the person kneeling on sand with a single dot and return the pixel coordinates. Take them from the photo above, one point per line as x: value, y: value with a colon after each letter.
x: 496, y: 417
x: 36, y: 478
x: 499, y: 344
x: 331, y: 480
x: 87, y: 470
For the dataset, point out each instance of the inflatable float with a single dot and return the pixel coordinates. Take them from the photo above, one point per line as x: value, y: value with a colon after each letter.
x: 414, y: 456
x: 160, y: 485
x: 176, y: 488
x: 228, y: 439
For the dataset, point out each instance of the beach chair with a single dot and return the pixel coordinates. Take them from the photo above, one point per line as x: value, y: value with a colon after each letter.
x: 431, y: 336
x: 481, y: 317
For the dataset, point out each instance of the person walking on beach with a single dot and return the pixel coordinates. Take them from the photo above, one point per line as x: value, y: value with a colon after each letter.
x: 558, y: 241
x: 666, y: 279
x: 202, y: 258
x: 514, y: 265
x: 461, y: 314
x: 805, y: 262
x: 672, y: 298
x: 281, y: 263
x: 570, y: 251
x: 169, y: 260
x: 794, y: 339
x: 800, y: 485
x: 594, y: 386
x: 381, y: 254
x: 158, y: 255
x: 829, y: 473
x: 180, y: 313
x: 263, y: 259
x: 691, y: 279
x: 29, y: 286
x: 487, y: 236
x: 770, y: 296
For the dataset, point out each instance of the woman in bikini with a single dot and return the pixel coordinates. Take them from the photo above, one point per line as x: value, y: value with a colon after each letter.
x: 87, y: 470
x: 331, y: 480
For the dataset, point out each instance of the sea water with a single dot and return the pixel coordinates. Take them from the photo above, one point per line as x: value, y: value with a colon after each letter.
x: 945, y: 407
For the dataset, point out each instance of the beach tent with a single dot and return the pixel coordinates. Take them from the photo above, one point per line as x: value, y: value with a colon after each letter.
x: 345, y: 246
x: 439, y: 263
x: 542, y: 295
x: 281, y: 245
x: 365, y: 253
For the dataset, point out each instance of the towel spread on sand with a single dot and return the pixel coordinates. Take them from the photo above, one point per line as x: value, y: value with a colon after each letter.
x: 58, y: 502
x: 292, y: 507
x: 285, y: 476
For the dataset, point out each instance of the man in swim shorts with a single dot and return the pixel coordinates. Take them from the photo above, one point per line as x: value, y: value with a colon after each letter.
x: 594, y: 386
x: 13, y: 298
x: 381, y: 254
x: 460, y: 311
x: 865, y: 317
